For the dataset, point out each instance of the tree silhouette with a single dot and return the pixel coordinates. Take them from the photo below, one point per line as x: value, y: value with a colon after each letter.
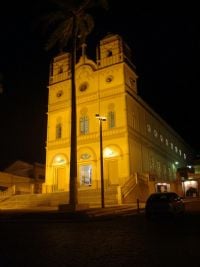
x: 70, y: 23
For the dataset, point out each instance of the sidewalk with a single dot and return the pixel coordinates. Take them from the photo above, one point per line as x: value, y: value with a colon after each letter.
x: 122, y: 210
x: 54, y: 215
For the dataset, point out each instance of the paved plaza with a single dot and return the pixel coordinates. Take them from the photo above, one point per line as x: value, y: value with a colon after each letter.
x: 125, y: 239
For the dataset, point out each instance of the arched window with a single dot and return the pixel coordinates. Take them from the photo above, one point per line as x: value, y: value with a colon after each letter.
x: 58, y: 130
x: 111, y: 119
x: 84, y: 125
x: 60, y: 69
x: 109, y: 53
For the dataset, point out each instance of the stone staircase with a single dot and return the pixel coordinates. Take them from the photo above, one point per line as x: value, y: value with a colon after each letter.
x: 52, y: 200
x: 129, y: 186
x: 32, y: 200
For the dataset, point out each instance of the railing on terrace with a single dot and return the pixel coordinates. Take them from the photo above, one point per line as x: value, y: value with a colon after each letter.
x: 18, y: 188
x: 129, y: 186
x: 88, y: 136
x: 143, y: 177
x: 59, y: 77
x: 9, y: 192
x: 111, y: 60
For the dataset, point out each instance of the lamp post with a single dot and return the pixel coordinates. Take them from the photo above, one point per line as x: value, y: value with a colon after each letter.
x: 101, y: 158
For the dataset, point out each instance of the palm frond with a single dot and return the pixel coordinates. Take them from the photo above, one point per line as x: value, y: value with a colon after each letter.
x: 85, y: 26
x: 67, y: 32
x: 68, y: 5
x: 49, y: 20
x: 60, y: 35
x: 103, y: 3
x: 88, y: 4
x: 60, y: 21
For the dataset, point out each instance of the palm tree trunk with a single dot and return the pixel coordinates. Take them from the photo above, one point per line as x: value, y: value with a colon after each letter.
x: 73, y: 201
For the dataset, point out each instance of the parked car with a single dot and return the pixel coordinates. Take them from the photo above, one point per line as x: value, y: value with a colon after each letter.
x: 165, y: 203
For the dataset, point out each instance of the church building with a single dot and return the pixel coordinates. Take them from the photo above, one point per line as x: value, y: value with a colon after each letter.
x: 141, y: 152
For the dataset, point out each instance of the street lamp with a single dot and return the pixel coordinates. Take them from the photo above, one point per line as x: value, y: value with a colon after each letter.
x: 101, y: 158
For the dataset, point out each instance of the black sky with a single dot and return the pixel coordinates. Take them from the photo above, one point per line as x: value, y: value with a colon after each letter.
x: 165, y: 43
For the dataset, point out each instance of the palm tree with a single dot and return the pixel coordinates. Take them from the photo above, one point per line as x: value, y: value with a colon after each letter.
x: 72, y: 23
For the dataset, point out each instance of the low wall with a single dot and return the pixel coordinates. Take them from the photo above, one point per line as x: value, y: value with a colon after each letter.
x: 19, y: 184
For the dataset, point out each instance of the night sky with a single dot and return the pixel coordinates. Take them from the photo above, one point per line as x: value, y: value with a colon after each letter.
x: 165, y: 44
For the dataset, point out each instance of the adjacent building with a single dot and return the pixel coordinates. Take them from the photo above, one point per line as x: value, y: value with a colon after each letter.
x: 22, y: 178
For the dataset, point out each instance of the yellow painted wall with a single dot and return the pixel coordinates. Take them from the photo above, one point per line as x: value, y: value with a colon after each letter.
x: 130, y: 146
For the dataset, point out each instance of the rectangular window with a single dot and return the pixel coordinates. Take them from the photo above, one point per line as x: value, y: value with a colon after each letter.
x: 111, y: 119
x: 84, y: 125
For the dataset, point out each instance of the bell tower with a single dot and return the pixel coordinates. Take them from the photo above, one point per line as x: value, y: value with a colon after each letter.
x: 58, y: 125
x: 112, y: 51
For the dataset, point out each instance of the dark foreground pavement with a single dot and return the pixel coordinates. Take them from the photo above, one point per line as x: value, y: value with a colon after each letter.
x: 54, y: 215
x: 112, y: 240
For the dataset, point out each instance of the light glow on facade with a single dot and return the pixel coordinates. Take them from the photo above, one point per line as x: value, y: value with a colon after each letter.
x: 129, y: 149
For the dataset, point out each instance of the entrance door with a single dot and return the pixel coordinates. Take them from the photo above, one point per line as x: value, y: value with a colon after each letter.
x: 86, y: 175
x: 111, y: 171
x: 60, y: 178
x: 162, y: 187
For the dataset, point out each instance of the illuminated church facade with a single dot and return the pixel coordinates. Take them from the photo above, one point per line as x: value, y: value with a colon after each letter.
x: 140, y: 150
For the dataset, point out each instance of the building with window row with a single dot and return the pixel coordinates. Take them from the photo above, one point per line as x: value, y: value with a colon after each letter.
x: 141, y: 151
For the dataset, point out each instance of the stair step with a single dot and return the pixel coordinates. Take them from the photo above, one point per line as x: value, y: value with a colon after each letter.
x: 91, y: 197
